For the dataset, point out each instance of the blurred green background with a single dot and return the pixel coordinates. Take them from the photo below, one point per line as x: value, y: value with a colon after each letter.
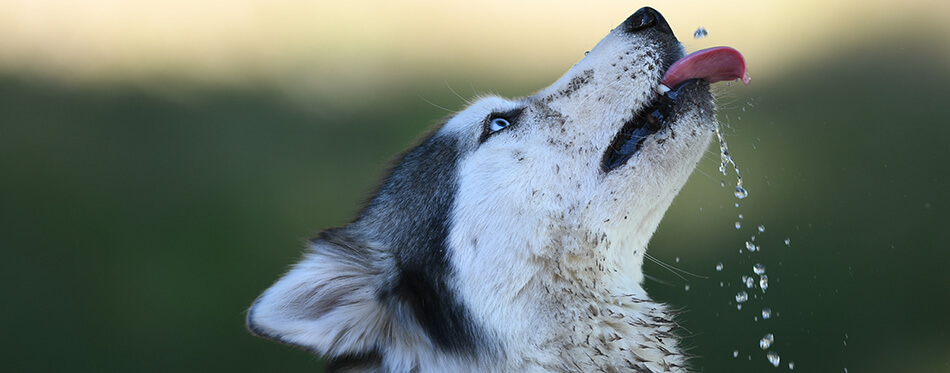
x: 161, y: 165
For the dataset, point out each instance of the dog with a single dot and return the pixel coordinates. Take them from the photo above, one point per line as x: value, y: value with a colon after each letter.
x: 511, y: 238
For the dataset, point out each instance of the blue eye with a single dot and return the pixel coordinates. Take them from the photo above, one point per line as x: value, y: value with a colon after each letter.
x: 498, y: 124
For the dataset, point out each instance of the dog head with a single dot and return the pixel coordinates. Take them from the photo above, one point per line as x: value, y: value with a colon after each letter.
x: 510, y: 209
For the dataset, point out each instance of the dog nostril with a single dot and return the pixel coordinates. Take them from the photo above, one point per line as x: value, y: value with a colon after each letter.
x: 647, y: 18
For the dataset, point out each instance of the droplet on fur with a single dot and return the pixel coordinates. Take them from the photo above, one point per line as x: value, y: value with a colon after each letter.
x: 774, y: 358
x: 766, y: 341
x: 758, y: 268
x: 761, y: 228
x: 764, y: 282
x: 738, y: 225
x: 749, y: 246
x: 719, y: 267
x: 766, y: 313
x: 700, y: 33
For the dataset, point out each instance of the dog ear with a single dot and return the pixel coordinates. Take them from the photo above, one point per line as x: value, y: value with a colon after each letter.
x: 327, y: 303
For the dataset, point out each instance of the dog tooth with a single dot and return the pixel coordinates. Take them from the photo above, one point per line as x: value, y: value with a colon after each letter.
x: 662, y: 88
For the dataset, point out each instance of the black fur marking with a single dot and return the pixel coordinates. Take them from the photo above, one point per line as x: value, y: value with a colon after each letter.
x: 410, y: 214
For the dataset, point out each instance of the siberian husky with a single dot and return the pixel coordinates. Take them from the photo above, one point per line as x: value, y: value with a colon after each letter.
x: 511, y: 238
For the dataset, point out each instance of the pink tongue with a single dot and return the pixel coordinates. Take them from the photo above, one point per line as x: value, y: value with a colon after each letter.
x: 712, y: 64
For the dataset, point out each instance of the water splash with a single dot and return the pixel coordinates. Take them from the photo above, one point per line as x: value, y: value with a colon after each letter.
x: 726, y: 159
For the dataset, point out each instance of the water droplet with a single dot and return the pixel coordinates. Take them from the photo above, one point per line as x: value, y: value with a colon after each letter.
x: 735, y: 353
x: 725, y: 159
x: 791, y: 365
x: 737, y: 204
x: 749, y: 246
x: 677, y: 259
x: 686, y: 287
x: 738, y: 225
x: 748, y: 281
x: 773, y: 358
x: 758, y: 268
x: 788, y: 241
x: 741, y: 192
x: 740, y: 216
x: 700, y: 33
x: 721, y: 284
x: 722, y: 183
x: 742, y: 296
x: 764, y: 282
x: 719, y: 267
x: 761, y: 228
x: 766, y: 313
x: 766, y: 341
x: 586, y: 53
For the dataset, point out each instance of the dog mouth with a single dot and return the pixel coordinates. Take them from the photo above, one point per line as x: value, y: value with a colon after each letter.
x: 710, y: 65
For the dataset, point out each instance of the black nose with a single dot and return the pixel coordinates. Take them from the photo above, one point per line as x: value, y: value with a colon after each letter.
x: 644, y: 19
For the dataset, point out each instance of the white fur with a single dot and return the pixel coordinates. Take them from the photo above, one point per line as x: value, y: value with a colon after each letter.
x: 546, y: 248
x: 580, y: 260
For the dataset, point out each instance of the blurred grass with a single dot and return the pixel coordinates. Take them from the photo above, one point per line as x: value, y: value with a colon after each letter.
x: 136, y: 227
